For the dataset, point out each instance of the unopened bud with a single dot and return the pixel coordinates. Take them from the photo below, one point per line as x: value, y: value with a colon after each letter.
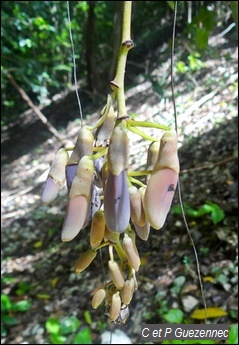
x: 116, y: 274
x: 142, y: 231
x: 82, y: 182
x: 131, y: 252
x: 97, y: 229
x: 98, y: 298
x: 83, y: 146
x: 105, y: 130
x: 118, y: 152
x: 56, y: 177
x: 75, y: 217
x: 127, y: 292
x: 135, y: 203
x: 163, y: 181
x: 84, y: 261
x: 79, y: 199
x: 153, y: 152
x: 115, y: 307
x: 117, y: 202
x: 159, y: 196
x: 168, y: 153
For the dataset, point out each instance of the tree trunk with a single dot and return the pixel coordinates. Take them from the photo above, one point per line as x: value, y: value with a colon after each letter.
x: 92, y: 75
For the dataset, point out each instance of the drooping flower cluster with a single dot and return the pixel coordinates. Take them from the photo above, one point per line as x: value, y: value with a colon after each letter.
x: 103, y: 195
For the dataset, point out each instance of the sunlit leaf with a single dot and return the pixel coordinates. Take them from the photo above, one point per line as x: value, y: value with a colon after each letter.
x: 83, y: 337
x: 22, y: 305
x: 53, y: 325
x: 174, y: 316
x: 209, y: 279
x: 171, y: 4
x: 69, y: 325
x: 212, y: 312
x: 57, y: 339
x: 37, y: 244
x: 233, y: 334
x: 87, y: 317
x: 6, y: 303
x: 217, y: 215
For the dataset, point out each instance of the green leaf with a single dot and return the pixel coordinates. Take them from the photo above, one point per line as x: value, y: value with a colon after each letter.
x: 53, y: 325
x: 178, y: 284
x: 174, y: 316
x: 171, y: 4
x: 23, y: 287
x: 6, y: 303
x: 62, y: 68
x: 217, y: 214
x: 69, y: 325
x: 22, y: 305
x: 233, y: 334
x: 9, y: 320
x: 57, y: 339
x: 83, y: 337
x: 202, y: 38
x: 3, y: 330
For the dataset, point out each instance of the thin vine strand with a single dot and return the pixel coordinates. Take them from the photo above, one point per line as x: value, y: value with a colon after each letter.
x: 74, y: 62
x: 179, y: 185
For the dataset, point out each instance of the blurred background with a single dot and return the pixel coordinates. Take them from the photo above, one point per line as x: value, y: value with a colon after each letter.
x: 43, y: 301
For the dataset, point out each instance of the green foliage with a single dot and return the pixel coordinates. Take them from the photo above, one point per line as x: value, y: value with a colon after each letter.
x: 36, y: 45
x: 216, y: 213
x: 60, y: 331
x: 8, y: 311
x: 174, y: 315
x: 194, y: 64
x: 233, y: 334
x: 200, y: 28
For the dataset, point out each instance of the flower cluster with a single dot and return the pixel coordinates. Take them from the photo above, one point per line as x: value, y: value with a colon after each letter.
x: 105, y: 195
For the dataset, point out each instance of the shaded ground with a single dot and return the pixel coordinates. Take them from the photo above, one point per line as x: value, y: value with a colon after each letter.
x: 32, y: 252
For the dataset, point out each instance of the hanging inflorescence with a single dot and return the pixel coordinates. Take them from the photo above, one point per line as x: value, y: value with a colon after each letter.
x: 117, y: 203
x: 113, y: 201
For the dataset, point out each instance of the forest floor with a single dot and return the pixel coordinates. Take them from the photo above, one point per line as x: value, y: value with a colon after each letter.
x: 37, y: 267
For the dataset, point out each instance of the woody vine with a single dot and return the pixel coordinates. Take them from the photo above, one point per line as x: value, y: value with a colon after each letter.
x: 118, y: 204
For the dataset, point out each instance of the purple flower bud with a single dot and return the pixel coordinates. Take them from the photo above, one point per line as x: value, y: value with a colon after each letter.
x: 159, y: 196
x: 117, y: 202
x: 70, y: 174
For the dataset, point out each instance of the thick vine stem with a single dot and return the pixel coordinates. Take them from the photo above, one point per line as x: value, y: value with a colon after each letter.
x: 117, y: 85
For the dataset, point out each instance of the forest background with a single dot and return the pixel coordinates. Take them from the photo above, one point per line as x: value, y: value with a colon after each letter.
x: 43, y: 301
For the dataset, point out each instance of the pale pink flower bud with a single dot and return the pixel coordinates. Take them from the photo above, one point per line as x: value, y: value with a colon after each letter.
x: 163, y: 181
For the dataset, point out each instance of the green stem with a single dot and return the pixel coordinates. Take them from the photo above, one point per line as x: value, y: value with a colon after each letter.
x: 102, y: 153
x: 133, y: 180
x: 139, y: 173
x: 117, y: 84
x: 141, y: 134
x: 147, y: 124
